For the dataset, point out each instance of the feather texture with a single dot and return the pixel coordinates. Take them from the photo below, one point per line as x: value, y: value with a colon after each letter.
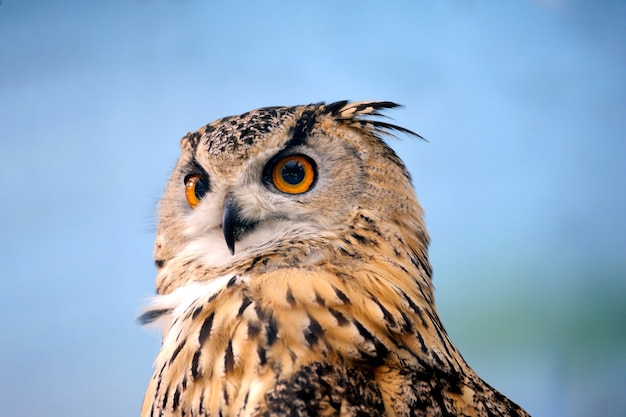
x: 326, y: 306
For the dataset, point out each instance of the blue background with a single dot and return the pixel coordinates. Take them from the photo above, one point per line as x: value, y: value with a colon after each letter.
x: 524, y: 107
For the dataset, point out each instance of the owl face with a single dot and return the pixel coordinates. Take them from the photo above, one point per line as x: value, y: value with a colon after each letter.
x: 245, y: 183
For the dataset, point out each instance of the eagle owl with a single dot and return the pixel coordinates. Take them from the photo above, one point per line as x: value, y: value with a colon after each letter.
x: 293, y: 276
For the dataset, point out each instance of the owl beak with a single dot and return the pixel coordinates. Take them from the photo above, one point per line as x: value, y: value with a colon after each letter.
x: 234, y: 226
x: 229, y: 224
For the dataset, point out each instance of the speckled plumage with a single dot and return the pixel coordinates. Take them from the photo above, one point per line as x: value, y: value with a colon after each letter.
x: 325, y: 306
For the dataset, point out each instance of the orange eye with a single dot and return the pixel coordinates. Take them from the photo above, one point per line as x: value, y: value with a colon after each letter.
x: 294, y: 174
x: 195, y: 189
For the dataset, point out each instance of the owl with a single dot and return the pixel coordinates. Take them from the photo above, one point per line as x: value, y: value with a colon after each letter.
x: 293, y: 276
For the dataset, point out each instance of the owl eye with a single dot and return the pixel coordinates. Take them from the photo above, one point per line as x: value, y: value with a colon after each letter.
x: 195, y: 189
x: 294, y: 174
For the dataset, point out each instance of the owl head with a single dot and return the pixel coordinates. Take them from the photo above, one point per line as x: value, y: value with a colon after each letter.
x: 280, y: 177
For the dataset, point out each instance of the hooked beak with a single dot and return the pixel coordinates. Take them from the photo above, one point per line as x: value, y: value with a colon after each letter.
x: 233, y: 225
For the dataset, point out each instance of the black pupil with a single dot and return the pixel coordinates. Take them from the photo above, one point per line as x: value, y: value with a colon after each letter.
x: 292, y: 172
x: 200, y: 189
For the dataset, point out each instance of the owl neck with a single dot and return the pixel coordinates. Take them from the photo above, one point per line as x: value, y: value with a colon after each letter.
x: 380, y: 267
x: 362, y: 298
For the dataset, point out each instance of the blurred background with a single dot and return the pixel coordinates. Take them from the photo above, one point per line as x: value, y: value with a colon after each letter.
x: 522, y: 180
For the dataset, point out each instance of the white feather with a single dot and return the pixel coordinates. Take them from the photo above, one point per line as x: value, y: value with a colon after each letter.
x: 170, y: 306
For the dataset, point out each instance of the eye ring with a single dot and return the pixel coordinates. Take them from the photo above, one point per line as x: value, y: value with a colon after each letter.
x: 294, y: 174
x: 195, y: 189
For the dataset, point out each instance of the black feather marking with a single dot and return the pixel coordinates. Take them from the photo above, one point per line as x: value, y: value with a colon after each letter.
x: 407, y: 325
x: 319, y: 299
x: 175, y: 399
x: 271, y: 330
x: 388, y: 128
x: 376, y: 105
x: 415, y: 309
x: 381, y: 349
x: 253, y: 330
x: 255, y: 260
x: 342, y: 296
x: 289, y: 297
x: 341, y: 319
x: 302, y: 129
x: 177, y: 350
x: 262, y: 354
x: 335, y: 108
x: 440, y: 332
x: 229, y: 358
x: 367, y: 219
x: 366, y: 334
x: 195, y: 361
x: 422, y: 344
x: 161, y: 374
x: 260, y: 313
x: 158, y: 385
x: 313, y: 332
x: 244, y: 304
x: 437, y: 395
x: 436, y: 358
x: 152, y: 315
x: 193, y: 138
x: 197, y: 311
x: 165, y: 395
x: 205, y: 330
x: 363, y: 240
x: 201, y: 404
x: 386, y: 314
x: 421, y: 261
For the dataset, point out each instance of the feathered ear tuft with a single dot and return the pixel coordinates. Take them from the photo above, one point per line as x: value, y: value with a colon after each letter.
x: 358, y: 115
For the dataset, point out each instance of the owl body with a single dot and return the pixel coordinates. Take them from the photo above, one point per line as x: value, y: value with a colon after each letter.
x: 293, y: 276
